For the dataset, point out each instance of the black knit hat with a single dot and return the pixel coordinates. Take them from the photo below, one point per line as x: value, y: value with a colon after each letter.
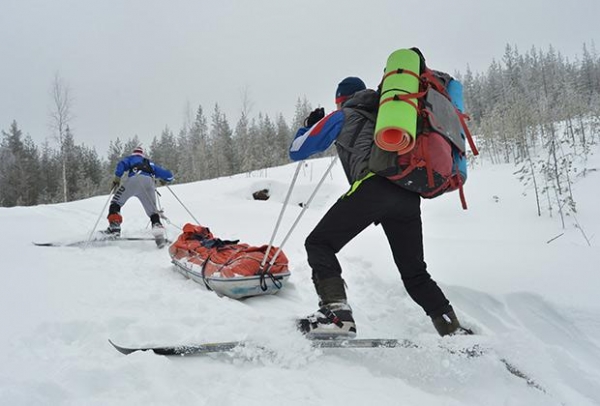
x: 348, y: 87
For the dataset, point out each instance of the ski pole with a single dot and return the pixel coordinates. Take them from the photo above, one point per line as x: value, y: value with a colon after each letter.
x: 272, y: 261
x: 99, y: 217
x: 161, y: 211
x: 287, y: 198
x: 182, y: 205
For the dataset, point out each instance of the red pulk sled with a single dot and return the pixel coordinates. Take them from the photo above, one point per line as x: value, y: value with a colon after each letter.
x: 229, y: 268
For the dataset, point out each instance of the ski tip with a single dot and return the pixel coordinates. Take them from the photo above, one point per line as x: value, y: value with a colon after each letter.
x: 43, y: 244
x: 122, y: 350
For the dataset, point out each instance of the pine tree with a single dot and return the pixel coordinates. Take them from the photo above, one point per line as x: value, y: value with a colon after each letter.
x: 222, y: 158
x: 30, y: 178
x: 199, y: 146
x: 283, y: 139
x: 191, y: 145
x: 164, y: 151
x: 303, y: 109
x: 243, y: 144
x: 268, y: 143
x: 19, y: 168
x: 11, y: 167
x: 50, y: 177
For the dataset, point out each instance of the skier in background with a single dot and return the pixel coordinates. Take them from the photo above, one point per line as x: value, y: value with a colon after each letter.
x: 140, y: 182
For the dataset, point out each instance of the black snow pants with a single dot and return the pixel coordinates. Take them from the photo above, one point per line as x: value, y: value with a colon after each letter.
x: 376, y: 200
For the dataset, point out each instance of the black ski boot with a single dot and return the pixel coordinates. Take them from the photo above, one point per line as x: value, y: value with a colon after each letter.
x: 331, y: 321
x: 447, y: 324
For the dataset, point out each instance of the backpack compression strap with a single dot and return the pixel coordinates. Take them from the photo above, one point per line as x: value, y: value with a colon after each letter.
x: 402, y: 97
x: 428, y: 79
x: 431, y: 79
x: 463, y: 117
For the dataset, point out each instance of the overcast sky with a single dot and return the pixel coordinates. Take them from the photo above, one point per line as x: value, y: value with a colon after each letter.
x: 135, y: 67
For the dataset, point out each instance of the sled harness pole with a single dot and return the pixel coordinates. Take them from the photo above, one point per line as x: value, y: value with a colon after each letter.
x: 287, y: 198
x: 182, y: 205
x: 161, y: 211
x: 306, y: 205
x: 99, y: 217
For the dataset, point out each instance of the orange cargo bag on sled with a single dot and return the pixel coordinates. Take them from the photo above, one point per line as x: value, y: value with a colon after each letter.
x: 228, y: 267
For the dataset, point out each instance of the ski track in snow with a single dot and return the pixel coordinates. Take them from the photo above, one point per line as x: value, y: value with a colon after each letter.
x: 532, y: 304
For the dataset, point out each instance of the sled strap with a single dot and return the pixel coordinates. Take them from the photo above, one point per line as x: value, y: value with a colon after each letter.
x: 274, y: 279
x: 203, y: 270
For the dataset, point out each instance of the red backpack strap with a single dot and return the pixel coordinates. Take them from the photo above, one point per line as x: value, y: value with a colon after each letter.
x: 399, y: 72
x: 463, y: 117
x: 461, y: 193
x: 428, y: 167
x: 430, y: 80
x: 403, y: 97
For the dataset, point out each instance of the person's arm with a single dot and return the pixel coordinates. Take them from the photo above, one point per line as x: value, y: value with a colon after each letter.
x: 162, y: 173
x: 312, y: 140
x: 122, y: 166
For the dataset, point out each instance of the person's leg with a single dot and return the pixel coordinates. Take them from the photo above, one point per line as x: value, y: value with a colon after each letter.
x: 114, y: 219
x: 147, y: 196
x: 123, y: 193
x: 405, y: 237
x: 403, y: 229
x: 345, y: 219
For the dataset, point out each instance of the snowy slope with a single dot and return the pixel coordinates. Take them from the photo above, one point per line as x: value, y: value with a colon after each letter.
x: 533, y: 304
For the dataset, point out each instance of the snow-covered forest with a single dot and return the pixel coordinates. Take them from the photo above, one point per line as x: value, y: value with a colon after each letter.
x: 515, y: 107
x: 538, y: 111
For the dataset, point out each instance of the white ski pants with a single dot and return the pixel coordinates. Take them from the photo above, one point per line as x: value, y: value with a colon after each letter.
x: 140, y: 186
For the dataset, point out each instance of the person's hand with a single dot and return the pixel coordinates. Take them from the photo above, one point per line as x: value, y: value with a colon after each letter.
x: 163, y: 182
x: 115, y: 183
x: 314, y: 117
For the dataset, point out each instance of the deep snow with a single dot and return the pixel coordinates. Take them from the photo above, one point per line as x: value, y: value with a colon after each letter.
x: 531, y: 302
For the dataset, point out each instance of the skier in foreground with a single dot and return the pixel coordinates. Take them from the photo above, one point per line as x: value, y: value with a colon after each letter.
x: 140, y: 182
x: 371, y: 199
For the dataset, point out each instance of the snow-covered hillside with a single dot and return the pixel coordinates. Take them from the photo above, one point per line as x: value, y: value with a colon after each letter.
x: 533, y: 303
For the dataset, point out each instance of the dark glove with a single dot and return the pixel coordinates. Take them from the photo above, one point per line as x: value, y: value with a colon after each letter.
x: 116, y: 182
x: 163, y: 182
x: 314, y: 117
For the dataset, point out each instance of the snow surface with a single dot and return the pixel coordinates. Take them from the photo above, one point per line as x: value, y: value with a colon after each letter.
x: 532, y: 302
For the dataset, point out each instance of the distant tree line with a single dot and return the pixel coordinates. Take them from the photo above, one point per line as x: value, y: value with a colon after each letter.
x: 203, y: 149
x: 538, y: 110
x: 541, y: 112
